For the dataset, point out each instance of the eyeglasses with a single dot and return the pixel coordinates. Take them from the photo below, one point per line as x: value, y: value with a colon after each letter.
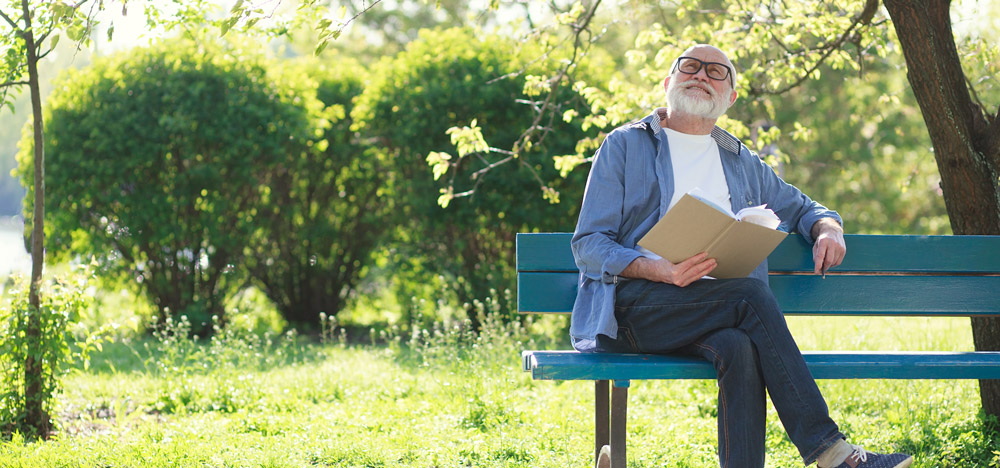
x: 715, y: 70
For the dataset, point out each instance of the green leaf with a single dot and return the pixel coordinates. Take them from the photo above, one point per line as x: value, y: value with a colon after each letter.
x: 320, y: 46
x: 439, y: 163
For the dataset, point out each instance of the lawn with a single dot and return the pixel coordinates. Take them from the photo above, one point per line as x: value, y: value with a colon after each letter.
x: 445, y: 397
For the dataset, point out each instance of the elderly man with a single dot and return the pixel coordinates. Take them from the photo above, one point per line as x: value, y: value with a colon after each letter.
x: 631, y: 300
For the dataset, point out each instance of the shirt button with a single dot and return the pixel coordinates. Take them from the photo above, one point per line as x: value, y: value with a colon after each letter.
x: 749, y: 202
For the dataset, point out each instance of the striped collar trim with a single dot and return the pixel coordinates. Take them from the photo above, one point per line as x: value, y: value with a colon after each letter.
x: 725, y: 139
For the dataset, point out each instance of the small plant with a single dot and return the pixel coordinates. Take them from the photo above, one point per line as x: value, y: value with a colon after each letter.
x: 55, y: 344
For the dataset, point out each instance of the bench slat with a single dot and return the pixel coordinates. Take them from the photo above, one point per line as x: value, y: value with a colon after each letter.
x: 572, y: 365
x: 810, y: 294
x: 865, y: 253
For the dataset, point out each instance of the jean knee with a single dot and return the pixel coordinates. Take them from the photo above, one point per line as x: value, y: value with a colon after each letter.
x: 758, y: 295
x: 731, y: 349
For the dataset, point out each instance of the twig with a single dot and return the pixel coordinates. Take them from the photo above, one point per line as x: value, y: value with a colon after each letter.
x: 863, y: 17
x: 42, y: 55
x: 365, y: 10
x: 11, y: 23
x: 578, y: 29
x: 541, y: 109
x: 13, y: 83
x: 975, y: 95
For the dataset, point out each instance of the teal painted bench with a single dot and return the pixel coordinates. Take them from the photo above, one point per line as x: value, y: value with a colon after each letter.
x: 953, y: 276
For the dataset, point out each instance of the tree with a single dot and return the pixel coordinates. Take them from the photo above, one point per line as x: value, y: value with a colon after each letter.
x: 326, y: 208
x: 159, y: 160
x: 25, y: 38
x: 28, y: 32
x: 966, y: 138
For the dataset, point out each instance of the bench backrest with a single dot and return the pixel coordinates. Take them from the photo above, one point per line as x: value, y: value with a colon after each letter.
x: 882, y: 275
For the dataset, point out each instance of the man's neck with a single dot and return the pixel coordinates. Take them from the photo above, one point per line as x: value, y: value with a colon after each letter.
x: 686, y: 123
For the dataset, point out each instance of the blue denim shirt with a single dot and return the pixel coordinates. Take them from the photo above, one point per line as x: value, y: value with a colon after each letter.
x: 630, y: 184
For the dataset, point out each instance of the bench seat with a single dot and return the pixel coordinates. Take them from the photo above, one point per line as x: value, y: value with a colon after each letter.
x: 574, y: 365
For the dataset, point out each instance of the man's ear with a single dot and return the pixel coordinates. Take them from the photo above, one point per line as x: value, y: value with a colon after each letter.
x: 732, y: 97
x: 666, y: 82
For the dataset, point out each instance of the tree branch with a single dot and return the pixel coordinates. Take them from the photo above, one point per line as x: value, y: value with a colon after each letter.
x: 42, y: 55
x: 13, y: 83
x: 974, y: 94
x: 578, y: 29
x: 363, y: 11
x: 993, y: 139
x: 541, y: 109
x: 864, y: 17
x: 11, y: 23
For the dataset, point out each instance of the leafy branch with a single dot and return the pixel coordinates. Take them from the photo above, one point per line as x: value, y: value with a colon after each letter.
x: 12, y: 23
x: 13, y: 83
x: 578, y: 19
x: 863, y: 18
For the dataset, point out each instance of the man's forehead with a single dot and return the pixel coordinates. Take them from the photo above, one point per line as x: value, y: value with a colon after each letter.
x: 707, y: 52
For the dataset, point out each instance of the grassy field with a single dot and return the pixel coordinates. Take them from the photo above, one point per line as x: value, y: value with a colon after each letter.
x: 446, y: 398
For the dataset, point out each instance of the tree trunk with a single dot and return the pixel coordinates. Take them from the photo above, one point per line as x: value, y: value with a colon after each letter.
x: 33, y: 367
x: 966, y: 140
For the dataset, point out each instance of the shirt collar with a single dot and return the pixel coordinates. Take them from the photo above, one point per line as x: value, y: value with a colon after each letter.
x: 725, y: 139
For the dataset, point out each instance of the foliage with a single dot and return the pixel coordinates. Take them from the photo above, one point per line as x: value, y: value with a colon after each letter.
x: 326, y: 207
x: 158, y: 161
x: 445, y: 78
x: 58, y: 341
x: 857, y: 143
x: 446, y: 396
x: 822, y: 88
x: 197, y: 375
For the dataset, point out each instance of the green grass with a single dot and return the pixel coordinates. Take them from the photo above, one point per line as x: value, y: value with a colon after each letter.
x: 445, y: 398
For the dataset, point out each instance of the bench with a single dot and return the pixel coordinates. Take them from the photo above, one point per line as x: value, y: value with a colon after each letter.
x: 953, y: 276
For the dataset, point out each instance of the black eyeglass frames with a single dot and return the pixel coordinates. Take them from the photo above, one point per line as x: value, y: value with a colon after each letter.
x: 715, y: 70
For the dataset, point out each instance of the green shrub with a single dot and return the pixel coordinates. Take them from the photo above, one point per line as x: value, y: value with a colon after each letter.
x: 54, y: 345
x: 326, y: 209
x: 157, y: 162
x: 449, y: 78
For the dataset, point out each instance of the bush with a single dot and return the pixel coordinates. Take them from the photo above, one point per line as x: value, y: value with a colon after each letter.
x: 449, y: 78
x: 326, y: 209
x: 158, y: 160
x: 49, y: 348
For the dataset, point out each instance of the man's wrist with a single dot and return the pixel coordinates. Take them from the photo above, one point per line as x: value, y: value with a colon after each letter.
x: 826, y: 225
x: 640, y: 268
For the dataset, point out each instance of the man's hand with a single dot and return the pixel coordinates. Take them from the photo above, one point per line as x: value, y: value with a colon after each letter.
x: 829, y: 247
x: 664, y: 271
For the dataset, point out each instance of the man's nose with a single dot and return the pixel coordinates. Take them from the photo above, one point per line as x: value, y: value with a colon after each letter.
x: 702, y: 74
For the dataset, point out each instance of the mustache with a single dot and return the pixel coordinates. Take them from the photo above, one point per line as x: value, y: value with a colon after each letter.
x: 696, y: 84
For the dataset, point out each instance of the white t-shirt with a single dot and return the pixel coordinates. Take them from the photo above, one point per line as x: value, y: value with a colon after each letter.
x: 697, y: 168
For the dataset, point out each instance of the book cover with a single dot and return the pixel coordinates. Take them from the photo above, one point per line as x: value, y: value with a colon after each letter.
x: 693, y: 226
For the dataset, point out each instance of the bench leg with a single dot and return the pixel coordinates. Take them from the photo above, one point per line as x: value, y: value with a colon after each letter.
x: 602, y: 423
x: 619, y: 413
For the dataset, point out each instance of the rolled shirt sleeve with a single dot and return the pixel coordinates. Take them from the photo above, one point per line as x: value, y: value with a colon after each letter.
x: 598, y: 253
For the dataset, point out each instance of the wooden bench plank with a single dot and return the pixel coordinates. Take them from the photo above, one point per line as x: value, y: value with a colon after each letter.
x: 888, y: 295
x: 912, y: 254
x: 573, y: 365
x: 865, y: 253
x: 811, y: 294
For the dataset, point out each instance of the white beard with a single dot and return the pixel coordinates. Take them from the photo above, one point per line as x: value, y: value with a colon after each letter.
x: 707, y: 109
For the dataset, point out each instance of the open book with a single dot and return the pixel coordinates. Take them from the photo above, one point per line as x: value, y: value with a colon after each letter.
x: 737, y: 242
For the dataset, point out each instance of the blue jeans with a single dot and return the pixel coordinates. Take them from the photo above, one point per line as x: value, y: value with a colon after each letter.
x: 738, y: 326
